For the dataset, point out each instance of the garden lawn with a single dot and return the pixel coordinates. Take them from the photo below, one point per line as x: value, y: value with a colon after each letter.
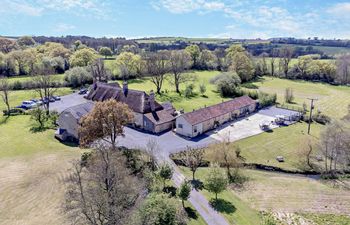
x: 179, y: 101
x: 232, y: 208
x: 58, y: 78
x: 285, y: 141
x: 332, y: 100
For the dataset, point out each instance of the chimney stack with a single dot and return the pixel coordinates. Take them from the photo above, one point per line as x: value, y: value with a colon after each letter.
x: 125, y: 88
x: 152, y: 100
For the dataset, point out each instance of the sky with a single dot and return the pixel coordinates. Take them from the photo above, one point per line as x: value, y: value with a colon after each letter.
x: 177, y: 18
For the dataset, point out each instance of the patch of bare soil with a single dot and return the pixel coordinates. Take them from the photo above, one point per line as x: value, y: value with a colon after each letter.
x: 32, y: 190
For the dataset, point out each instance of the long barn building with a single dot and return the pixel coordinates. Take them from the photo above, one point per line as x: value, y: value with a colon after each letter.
x: 202, y: 120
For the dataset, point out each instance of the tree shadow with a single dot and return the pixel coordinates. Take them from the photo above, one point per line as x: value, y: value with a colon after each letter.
x: 204, y: 96
x: 191, y: 213
x: 38, y: 129
x: 171, y: 190
x: 197, y: 184
x: 4, y: 120
x: 222, y: 206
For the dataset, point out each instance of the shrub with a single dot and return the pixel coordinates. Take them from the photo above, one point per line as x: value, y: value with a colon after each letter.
x: 14, y: 112
x: 202, y: 89
x: 78, y: 76
x: 17, y: 85
x: 288, y: 95
x: 189, y: 91
x: 227, y: 84
x: 321, y: 118
x: 266, y: 99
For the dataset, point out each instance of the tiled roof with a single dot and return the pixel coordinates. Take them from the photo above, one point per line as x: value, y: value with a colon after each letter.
x: 138, y: 101
x: 81, y: 110
x: 162, y: 116
x: 207, y: 113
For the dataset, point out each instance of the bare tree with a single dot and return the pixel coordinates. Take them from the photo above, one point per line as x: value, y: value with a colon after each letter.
x: 99, y: 72
x: 157, y: 65
x: 343, y: 69
x: 46, y: 88
x: 192, y: 158
x: 5, y: 92
x: 286, y: 56
x: 102, y: 191
x: 179, y: 62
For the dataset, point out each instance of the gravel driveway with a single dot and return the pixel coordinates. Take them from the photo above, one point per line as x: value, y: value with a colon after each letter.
x: 67, y: 101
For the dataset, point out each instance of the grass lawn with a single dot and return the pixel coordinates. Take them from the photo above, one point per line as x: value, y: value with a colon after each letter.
x: 332, y: 100
x: 180, y: 102
x: 277, y: 192
x: 328, y: 219
x: 58, y: 78
x: 233, y: 208
x: 285, y: 141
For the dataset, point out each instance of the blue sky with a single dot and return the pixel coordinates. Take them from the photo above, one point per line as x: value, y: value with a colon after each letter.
x: 189, y: 18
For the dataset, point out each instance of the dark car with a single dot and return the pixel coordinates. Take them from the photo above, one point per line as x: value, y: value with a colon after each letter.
x: 83, y: 91
x: 57, y: 98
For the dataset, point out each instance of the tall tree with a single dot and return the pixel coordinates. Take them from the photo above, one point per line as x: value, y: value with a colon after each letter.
x: 128, y: 63
x: 184, y: 192
x: 286, y: 54
x: 45, y: 87
x: 83, y: 57
x: 106, y: 121
x: 343, y: 69
x: 105, y: 51
x: 5, y: 92
x: 274, y: 54
x: 7, y: 45
x: 192, y: 158
x: 157, y: 65
x: 216, y: 181
x: 166, y: 173
x: 243, y: 66
x: 102, y: 190
x: 98, y: 71
x: 25, y: 41
x: 180, y: 61
x: 194, y: 52
x: 303, y: 64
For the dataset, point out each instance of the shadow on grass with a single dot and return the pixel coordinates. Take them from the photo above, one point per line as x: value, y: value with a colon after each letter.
x: 191, y: 213
x: 197, y: 184
x: 222, y: 206
x: 204, y: 96
x: 38, y: 129
x: 171, y: 190
x: 70, y: 144
x: 4, y: 120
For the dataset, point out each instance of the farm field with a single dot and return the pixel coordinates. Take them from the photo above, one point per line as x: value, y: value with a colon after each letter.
x: 267, y: 191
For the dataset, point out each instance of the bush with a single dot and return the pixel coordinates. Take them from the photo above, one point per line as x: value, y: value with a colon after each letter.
x: 202, y: 89
x: 321, y: 118
x: 78, y: 76
x: 288, y: 95
x: 227, y: 84
x: 189, y: 91
x: 266, y: 99
x: 17, y: 85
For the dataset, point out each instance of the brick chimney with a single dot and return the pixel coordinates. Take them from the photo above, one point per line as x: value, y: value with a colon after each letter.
x: 152, y: 100
x: 125, y: 88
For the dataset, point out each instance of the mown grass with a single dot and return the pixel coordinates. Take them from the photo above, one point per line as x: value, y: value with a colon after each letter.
x: 232, y: 208
x: 180, y: 101
x: 332, y: 100
x: 57, y: 78
x: 285, y: 141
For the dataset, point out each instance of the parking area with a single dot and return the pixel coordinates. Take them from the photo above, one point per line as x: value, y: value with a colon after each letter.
x: 67, y: 101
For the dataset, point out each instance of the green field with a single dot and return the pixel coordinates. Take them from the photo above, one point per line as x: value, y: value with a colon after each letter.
x: 57, y: 78
x: 326, y: 49
x: 332, y: 100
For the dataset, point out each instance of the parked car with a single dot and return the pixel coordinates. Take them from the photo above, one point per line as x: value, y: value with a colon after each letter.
x: 57, y: 98
x: 50, y: 99
x: 83, y: 91
x: 37, y: 102
x: 28, y: 105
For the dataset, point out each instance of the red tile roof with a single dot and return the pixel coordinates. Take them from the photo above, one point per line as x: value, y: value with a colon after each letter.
x: 207, y: 113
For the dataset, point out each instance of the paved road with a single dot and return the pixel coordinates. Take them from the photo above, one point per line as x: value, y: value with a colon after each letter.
x: 67, y: 101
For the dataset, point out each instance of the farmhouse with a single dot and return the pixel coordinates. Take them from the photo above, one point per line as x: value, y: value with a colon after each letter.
x: 68, y: 121
x: 199, y: 121
x: 149, y: 115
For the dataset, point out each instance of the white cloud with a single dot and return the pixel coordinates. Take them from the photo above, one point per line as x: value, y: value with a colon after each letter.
x: 186, y: 6
x: 340, y: 9
x: 62, y: 27
x: 19, y: 7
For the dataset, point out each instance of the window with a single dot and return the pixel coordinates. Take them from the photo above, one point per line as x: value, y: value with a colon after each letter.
x: 180, y: 125
x: 195, y: 129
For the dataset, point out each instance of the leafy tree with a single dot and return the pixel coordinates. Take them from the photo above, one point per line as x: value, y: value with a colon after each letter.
x: 189, y: 91
x: 128, y: 64
x: 7, y: 45
x: 303, y: 64
x: 286, y: 54
x: 25, y: 41
x: 233, y: 50
x: 202, y: 89
x: 343, y: 69
x: 83, y: 57
x: 5, y: 92
x: 166, y: 173
x: 227, y: 84
x: 193, y: 159
x: 106, y: 121
x: 180, y: 61
x: 105, y: 51
x: 194, y: 52
x: 160, y: 209
x: 207, y: 60
x: 184, y: 192
x: 102, y: 190
x: 39, y: 116
x: 78, y: 76
x: 52, y: 49
x: 243, y: 66
x: 216, y: 181
x: 98, y: 71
